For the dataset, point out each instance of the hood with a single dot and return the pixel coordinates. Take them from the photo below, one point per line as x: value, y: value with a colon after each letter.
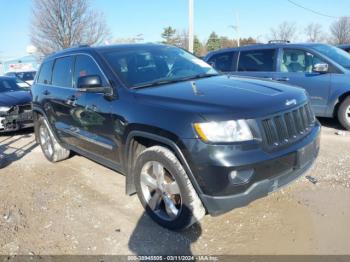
x: 15, y: 98
x: 225, y: 97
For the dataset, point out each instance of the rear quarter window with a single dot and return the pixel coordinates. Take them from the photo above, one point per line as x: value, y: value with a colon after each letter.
x: 223, y: 61
x: 257, y: 60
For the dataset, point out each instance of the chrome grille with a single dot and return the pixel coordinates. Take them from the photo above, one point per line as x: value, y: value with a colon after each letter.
x: 288, y: 126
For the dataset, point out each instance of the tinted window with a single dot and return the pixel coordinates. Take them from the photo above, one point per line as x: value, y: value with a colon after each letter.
x: 62, y: 72
x: 257, y: 60
x: 152, y: 65
x: 299, y: 61
x: 45, y: 73
x: 26, y: 76
x: 8, y: 85
x: 336, y: 54
x: 222, y: 62
x: 86, y: 66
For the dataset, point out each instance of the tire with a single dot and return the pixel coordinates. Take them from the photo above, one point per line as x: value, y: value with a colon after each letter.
x: 176, y: 187
x: 52, y: 150
x: 344, y: 113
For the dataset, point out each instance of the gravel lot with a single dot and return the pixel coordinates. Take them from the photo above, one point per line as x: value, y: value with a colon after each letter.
x: 79, y: 207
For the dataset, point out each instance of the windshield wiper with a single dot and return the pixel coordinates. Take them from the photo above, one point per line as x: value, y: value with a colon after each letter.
x: 170, y: 81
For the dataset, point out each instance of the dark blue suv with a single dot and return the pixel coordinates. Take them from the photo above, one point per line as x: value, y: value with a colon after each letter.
x: 323, y: 70
x: 189, y: 140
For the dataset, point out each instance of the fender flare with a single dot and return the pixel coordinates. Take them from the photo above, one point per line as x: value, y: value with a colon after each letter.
x: 130, y: 186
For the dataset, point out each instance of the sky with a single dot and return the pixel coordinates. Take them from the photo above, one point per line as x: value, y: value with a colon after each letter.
x: 127, y: 18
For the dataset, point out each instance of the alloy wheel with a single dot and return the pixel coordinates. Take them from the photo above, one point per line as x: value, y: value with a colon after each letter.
x: 161, y: 191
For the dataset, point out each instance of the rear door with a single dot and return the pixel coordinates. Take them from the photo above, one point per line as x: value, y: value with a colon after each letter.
x: 296, y: 68
x: 64, y: 101
x: 259, y: 63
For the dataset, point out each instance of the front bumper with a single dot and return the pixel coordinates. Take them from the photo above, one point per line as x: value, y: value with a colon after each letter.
x: 272, y: 170
x: 16, y: 120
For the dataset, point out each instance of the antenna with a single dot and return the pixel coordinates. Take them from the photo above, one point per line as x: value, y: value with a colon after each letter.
x: 190, y: 26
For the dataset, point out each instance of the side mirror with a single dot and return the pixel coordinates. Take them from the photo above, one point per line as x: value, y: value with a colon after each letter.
x: 92, y: 84
x: 321, y: 68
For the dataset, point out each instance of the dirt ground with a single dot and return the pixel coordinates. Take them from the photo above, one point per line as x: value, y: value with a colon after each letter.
x: 79, y: 207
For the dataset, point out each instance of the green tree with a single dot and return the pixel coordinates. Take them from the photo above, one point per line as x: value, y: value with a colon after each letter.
x: 169, y: 35
x: 197, y: 47
x: 213, y: 42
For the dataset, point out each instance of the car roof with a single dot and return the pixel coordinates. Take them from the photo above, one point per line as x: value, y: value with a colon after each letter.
x: 344, y: 46
x: 263, y: 46
x: 90, y: 49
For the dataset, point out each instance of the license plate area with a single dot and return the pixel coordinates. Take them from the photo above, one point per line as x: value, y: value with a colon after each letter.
x: 305, y: 155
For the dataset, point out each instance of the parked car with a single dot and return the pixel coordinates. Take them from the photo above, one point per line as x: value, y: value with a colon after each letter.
x: 323, y: 70
x: 189, y: 140
x: 15, y: 106
x: 345, y: 47
x: 27, y: 76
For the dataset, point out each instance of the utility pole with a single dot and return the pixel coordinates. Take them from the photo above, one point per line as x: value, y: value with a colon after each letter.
x: 236, y: 28
x: 190, y: 26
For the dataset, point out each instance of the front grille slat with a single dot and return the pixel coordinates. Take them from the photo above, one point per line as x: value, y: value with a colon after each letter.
x: 288, y: 126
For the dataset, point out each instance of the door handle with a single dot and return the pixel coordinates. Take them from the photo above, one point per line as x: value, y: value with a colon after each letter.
x: 92, y: 108
x: 46, y: 93
x: 72, y: 98
x: 281, y: 79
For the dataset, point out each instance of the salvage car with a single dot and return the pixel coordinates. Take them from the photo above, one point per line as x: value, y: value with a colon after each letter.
x: 322, y: 70
x: 15, y: 106
x: 26, y: 76
x: 189, y: 140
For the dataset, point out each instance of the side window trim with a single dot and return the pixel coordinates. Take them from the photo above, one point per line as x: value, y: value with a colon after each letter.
x: 74, y: 60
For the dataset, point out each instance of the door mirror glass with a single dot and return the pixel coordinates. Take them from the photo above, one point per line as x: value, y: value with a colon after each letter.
x: 88, y: 82
x: 320, y: 68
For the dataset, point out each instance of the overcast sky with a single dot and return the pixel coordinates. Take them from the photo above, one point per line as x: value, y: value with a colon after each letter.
x: 127, y: 18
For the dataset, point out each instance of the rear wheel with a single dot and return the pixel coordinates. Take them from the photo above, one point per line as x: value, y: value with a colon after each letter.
x: 165, y: 190
x: 52, y: 150
x: 344, y: 113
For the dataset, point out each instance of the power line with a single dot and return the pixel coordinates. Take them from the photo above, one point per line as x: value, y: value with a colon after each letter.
x: 311, y: 10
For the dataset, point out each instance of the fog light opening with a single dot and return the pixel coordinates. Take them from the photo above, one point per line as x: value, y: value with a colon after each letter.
x: 240, y: 177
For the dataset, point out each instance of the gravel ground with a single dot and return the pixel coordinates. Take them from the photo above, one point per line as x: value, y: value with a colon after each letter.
x: 79, y: 207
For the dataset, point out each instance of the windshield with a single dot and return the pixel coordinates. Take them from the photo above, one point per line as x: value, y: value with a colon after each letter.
x: 26, y: 76
x: 336, y: 54
x: 154, y: 65
x: 8, y: 85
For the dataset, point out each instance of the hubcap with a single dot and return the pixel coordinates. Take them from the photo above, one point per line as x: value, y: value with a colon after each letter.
x: 160, y: 190
x: 46, y: 141
x: 347, y: 114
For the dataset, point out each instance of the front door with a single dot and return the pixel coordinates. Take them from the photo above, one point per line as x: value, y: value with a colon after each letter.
x: 97, y: 128
x: 296, y: 68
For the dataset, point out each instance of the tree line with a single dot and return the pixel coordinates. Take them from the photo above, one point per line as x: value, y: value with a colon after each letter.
x: 59, y: 24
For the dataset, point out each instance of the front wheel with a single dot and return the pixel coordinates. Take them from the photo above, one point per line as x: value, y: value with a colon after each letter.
x: 165, y: 190
x: 52, y: 150
x: 344, y: 113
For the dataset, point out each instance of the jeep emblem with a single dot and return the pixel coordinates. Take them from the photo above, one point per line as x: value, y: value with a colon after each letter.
x: 291, y: 102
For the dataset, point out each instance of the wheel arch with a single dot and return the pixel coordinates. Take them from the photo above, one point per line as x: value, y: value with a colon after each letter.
x: 338, y: 102
x: 152, y: 139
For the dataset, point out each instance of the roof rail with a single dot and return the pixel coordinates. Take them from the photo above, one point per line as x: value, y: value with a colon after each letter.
x: 279, y: 42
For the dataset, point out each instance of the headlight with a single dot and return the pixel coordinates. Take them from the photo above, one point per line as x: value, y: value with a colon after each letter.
x: 4, y: 109
x: 227, y: 131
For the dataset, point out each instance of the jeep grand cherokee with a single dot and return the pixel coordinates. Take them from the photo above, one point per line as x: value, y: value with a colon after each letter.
x: 189, y: 140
